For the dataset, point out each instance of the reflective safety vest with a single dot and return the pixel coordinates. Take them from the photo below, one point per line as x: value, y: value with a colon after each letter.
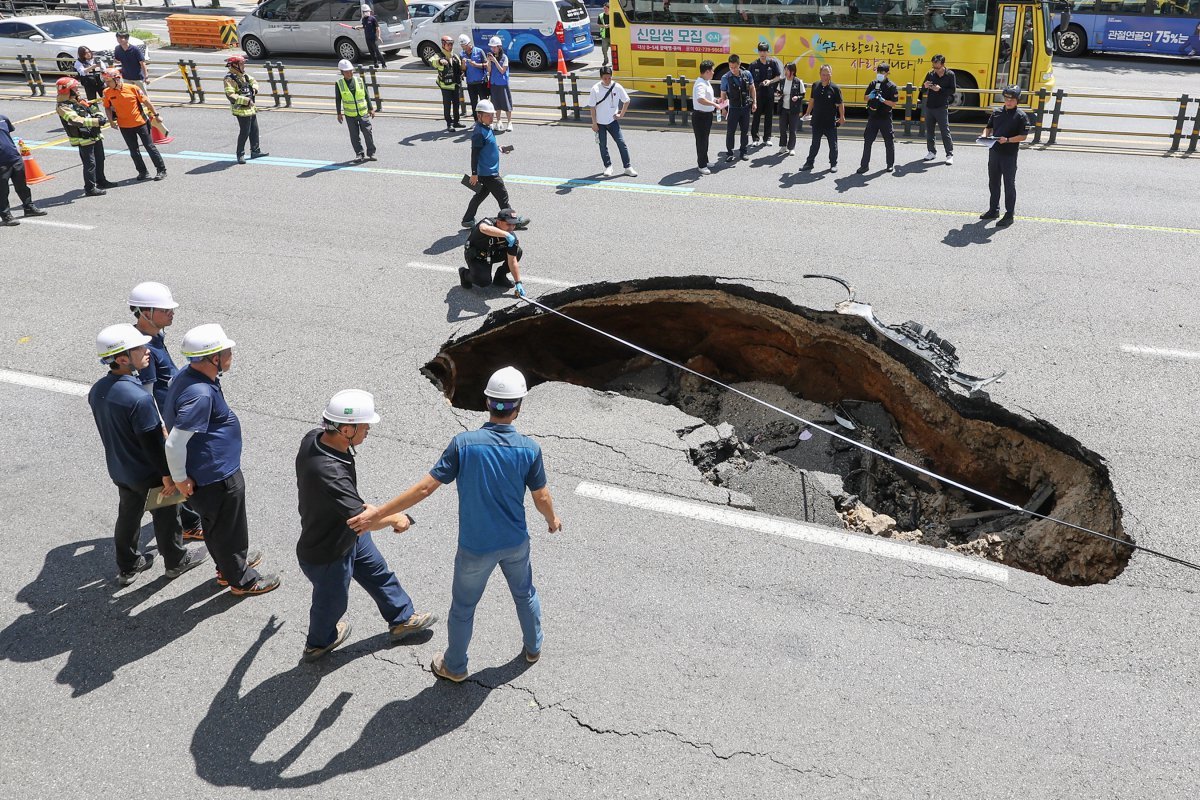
x: 449, y: 70
x: 354, y: 98
x: 81, y: 122
x: 241, y: 90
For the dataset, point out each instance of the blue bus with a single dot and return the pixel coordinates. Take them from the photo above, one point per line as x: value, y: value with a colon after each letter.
x: 1151, y: 27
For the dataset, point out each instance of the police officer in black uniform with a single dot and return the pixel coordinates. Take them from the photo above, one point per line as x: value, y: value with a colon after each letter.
x: 827, y: 111
x: 882, y: 95
x: 492, y: 241
x: 766, y: 73
x: 1008, y: 127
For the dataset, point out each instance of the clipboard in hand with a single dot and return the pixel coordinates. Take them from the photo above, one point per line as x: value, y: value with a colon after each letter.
x: 155, y: 500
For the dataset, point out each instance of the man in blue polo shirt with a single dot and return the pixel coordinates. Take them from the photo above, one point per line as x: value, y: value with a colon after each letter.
x: 131, y: 432
x: 132, y: 61
x: 493, y: 466
x: 204, y: 453
x: 475, y: 61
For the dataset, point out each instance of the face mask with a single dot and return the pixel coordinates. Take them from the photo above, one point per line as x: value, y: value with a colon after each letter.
x: 881, y: 76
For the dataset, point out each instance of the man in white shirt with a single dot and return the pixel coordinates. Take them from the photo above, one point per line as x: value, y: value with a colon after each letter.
x: 704, y: 108
x: 608, y: 102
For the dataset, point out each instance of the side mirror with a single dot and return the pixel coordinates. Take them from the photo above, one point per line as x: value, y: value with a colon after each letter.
x: 37, y: 38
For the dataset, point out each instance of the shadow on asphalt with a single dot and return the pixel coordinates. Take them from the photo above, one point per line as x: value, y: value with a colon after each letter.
x: 447, y: 243
x: 463, y: 304
x: 789, y: 179
x: 855, y: 181
x: 237, y: 724
x: 681, y: 177
x: 78, y: 609
x: 571, y: 184
x: 321, y: 170
x: 969, y: 234
x: 435, y: 136
x: 211, y: 167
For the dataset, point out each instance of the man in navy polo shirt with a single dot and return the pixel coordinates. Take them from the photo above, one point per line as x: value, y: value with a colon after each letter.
x: 131, y: 432
x: 132, y: 61
x: 204, y: 453
x: 493, y: 466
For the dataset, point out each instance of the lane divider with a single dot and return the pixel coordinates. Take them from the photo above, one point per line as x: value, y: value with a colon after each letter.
x: 1160, y: 352
x: 454, y: 271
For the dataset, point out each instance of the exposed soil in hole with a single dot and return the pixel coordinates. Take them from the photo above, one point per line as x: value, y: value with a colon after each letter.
x: 837, y: 371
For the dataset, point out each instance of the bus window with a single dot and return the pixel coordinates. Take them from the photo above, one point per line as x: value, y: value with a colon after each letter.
x: 1025, y: 54
x: 1004, y: 47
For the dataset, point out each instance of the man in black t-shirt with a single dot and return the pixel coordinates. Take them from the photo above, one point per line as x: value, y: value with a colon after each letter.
x: 330, y: 553
x: 1007, y: 127
x: 827, y: 111
x: 882, y: 95
x: 939, y: 87
x: 765, y: 73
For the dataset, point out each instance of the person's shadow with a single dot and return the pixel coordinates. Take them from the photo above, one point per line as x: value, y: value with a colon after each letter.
x: 77, y: 610
x: 435, y: 136
x: 213, y: 166
x: 916, y: 167
x: 453, y: 241
x: 463, y: 304
x: 571, y: 184
x: 798, y: 178
x: 237, y: 724
x: 681, y: 177
x: 855, y: 181
x: 969, y: 234
x: 64, y: 199
x: 323, y: 168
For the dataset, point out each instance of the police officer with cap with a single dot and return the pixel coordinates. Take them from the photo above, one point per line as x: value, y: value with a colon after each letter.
x: 766, y: 72
x: 492, y: 241
x: 204, y: 452
x: 330, y: 553
x: 882, y: 96
x: 1006, y: 130
x: 493, y: 466
x: 131, y: 432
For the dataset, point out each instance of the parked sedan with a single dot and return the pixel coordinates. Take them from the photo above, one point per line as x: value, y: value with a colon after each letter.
x: 422, y: 12
x: 54, y: 41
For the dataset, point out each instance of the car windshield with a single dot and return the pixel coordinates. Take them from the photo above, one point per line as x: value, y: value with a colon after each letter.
x: 571, y: 10
x: 68, y: 28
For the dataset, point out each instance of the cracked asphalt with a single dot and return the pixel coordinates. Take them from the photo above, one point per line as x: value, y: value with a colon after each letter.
x: 682, y: 659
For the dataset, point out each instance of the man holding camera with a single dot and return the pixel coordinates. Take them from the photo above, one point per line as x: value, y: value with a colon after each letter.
x: 882, y: 96
x: 940, y: 86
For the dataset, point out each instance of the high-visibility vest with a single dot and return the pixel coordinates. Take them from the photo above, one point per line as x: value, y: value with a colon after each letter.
x: 354, y: 99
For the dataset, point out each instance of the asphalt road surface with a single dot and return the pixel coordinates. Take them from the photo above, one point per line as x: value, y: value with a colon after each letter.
x: 683, y: 658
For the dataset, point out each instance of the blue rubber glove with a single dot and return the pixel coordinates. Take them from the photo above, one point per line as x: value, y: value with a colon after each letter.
x: 871, y: 96
x: 519, y: 289
x: 510, y: 238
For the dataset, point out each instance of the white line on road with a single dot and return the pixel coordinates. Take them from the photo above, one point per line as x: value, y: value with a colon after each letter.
x: 49, y: 384
x: 1161, y: 352
x: 793, y: 530
x: 454, y: 271
x: 53, y: 224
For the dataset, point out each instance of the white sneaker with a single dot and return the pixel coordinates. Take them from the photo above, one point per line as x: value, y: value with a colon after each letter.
x: 756, y: 142
x: 791, y: 152
x: 497, y: 127
x: 950, y: 160
x: 608, y: 172
x: 631, y: 172
x: 705, y: 171
x: 930, y: 156
x: 509, y: 126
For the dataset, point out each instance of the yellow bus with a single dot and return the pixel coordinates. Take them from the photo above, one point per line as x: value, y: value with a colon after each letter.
x: 988, y: 43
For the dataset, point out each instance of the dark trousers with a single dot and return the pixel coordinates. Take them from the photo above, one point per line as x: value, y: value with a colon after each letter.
x: 17, y: 176
x: 1002, y: 166
x: 247, y: 130
x: 142, y: 133
x: 702, y: 122
x: 879, y: 126
x: 331, y: 590
x: 360, y: 128
x: 188, y: 518
x: 92, y: 156
x: 222, y: 508
x: 488, y: 184
x: 828, y: 132
x: 480, y: 267
x: 789, y: 123
x: 739, y: 117
x: 764, y: 111
x: 126, y: 532
x: 939, y: 118
x: 376, y: 56
x: 451, y: 106
x: 477, y: 92
x: 613, y: 129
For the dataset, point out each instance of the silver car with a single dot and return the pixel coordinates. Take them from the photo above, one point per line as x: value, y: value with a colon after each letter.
x: 321, y: 27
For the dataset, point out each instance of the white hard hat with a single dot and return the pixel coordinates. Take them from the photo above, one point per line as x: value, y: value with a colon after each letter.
x: 352, y: 407
x: 485, y: 107
x: 464, y: 39
x: 116, y: 339
x: 366, y: 8
x: 205, y: 340
x: 345, y: 66
x: 151, y: 295
x: 495, y: 42
x: 506, y: 384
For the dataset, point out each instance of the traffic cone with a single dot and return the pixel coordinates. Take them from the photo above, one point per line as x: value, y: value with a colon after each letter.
x: 160, y: 136
x: 33, y: 172
x: 562, y: 63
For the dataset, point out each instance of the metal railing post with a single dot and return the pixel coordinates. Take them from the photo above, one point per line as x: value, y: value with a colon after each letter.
x: 908, y: 108
x: 670, y: 100
x: 1040, y: 116
x: 1194, y: 140
x: 274, y: 83
x: 1059, y: 94
x: 562, y: 95
x: 196, y: 79
x: 287, y: 95
x: 1180, y: 118
x: 28, y: 73
x: 686, y: 109
x: 379, y: 97
x: 187, y: 81
x: 575, y: 96
x: 36, y: 86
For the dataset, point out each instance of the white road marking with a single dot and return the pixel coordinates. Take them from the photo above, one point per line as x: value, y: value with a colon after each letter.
x: 49, y: 384
x: 812, y: 534
x: 454, y: 271
x: 53, y: 224
x: 1161, y: 352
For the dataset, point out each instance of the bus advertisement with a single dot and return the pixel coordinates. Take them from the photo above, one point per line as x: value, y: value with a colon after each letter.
x: 1149, y: 27
x: 988, y: 43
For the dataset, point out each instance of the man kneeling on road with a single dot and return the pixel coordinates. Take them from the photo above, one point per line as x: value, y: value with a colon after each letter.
x: 492, y: 241
x: 493, y: 465
x: 330, y: 553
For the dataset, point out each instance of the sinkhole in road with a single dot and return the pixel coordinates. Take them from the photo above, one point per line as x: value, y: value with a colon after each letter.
x: 840, y: 369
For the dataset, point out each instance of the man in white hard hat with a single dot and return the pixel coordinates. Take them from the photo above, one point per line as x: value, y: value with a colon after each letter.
x: 353, y: 107
x: 485, y: 166
x: 204, y: 453
x: 153, y: 310
x: 475, y: 61
x: 330, y: 553
x: 131, y: 432
x: 493, y: 466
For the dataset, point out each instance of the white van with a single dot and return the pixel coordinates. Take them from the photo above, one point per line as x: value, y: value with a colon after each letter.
x: 322, y: 27
x: 533, y: 31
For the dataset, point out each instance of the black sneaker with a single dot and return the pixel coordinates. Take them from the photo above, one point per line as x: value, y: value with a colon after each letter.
x: 833, y: 167
x: 191, y: 560
x: 7, y: 220
x: 160, y: 175
x: 32, y: 211
x: 991, y: 213
x: 371, y: 157
x: 889, y: 168
x: 143, y: 176
x: 94, y: 193
x: 108, y: 185
x: 861, y: 170
x: 731, y: 159
x: 241, y: 159
x: 502, y: 282
x: 1005, y: 221
x: 259, y: 154
x: 143, y: 563
x: 464, y: 277
x: 467, y: 223
x: 806, y: 168
x: 745, y: 157
x: 264, y: 584
x: 358, y: 159
x: 522, y: 223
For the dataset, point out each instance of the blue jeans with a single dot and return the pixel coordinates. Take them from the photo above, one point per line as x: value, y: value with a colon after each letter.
x: 613, y: 128
x: 471, y: 573
x: 331, y: 590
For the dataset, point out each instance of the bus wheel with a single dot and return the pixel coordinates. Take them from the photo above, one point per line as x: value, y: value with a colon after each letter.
x: 533, y: 58
x: 347, y: 49
x: 1072, y: 42
x: 253, y: 48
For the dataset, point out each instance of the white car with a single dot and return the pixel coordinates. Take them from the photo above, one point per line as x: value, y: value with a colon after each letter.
x: 422, y: 11
x: 54, y: 40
